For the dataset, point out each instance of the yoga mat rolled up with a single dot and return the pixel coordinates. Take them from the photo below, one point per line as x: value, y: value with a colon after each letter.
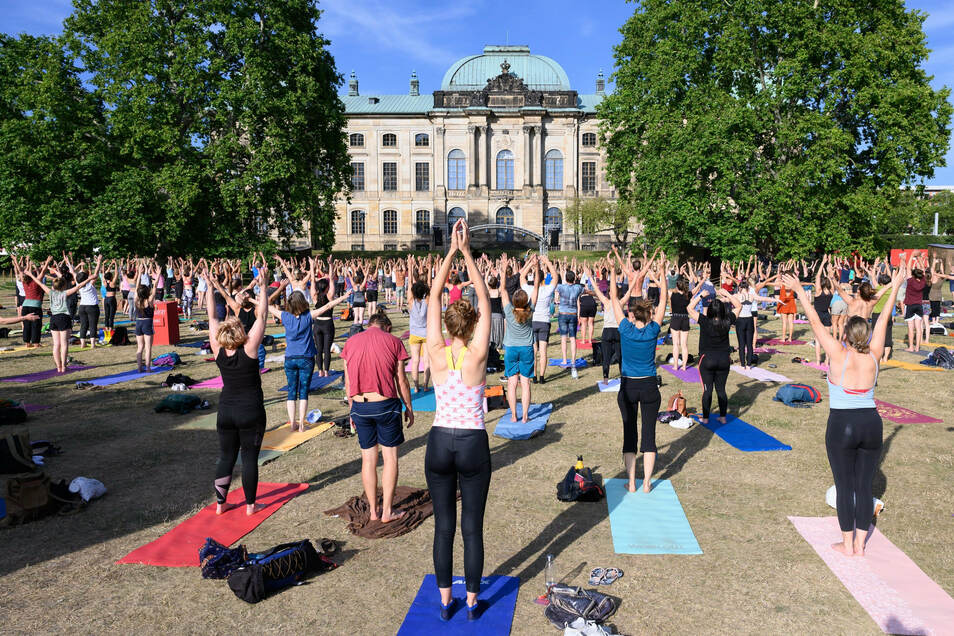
x: 742, y: 435
x: 498, y: 592
x: 648, y: 523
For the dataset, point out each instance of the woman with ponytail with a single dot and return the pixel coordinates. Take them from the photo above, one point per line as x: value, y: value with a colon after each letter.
x: 518, y: 340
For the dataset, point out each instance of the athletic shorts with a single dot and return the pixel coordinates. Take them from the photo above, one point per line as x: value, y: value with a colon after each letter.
x: 567, y: 324
x: 839, y: 308
x: 541, y: 331
x: 61, y: 322
x: 679, y: 322
x: 125, y: 294
x: 144, y: 327
x: 913, y: 312
x: 588, y: 310
x: 371, y: 295
x: 417, y: 339
x: 378, y: 423
x: 518, y: 361
x: 935, y: 309
x: 825, y: 318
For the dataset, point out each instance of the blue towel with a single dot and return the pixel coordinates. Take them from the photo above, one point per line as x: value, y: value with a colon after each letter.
x: 318, y: 382
x: 648, y: 523
x: 498, y: 592
x: 424, y: 401
x: 558, y: 362
x: 125, y: 376
x: 743, y: 435
x: 537, y: 420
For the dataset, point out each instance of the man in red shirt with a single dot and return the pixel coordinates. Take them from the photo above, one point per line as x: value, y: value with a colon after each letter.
x: 374, y: 375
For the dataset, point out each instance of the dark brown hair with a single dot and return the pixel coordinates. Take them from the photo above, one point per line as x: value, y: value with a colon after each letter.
x: 296, y: 304
x: 641, y: 309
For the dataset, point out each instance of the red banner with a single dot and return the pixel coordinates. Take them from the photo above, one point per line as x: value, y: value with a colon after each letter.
x: 898, y: 255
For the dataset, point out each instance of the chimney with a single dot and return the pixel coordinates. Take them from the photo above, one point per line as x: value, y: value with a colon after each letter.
x: 600, y: 84
x: 415, y: 85
x: 353, y: 85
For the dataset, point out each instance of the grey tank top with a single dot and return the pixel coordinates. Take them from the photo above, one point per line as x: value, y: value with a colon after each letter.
x: 418, y: 318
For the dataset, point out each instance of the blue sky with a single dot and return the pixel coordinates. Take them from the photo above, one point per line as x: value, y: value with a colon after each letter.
x: 384, y: 40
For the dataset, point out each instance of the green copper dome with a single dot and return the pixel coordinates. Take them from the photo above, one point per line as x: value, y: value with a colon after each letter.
x: 537, y: 71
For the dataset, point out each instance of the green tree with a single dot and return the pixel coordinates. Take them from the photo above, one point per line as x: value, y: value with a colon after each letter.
x: 943, y: 204
x: 224, y: 117
x: 594, y: 215
x: 771, y: 126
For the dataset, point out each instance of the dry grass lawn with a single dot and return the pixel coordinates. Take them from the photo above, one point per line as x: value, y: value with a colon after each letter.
x: 756, y: 574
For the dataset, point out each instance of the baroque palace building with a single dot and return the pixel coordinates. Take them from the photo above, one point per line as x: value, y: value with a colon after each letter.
x: 505, y: 141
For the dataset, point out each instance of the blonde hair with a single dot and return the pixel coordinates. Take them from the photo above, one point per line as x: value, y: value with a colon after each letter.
x: 460, y: 319
x: 231, y: 334
x: 858, y: 334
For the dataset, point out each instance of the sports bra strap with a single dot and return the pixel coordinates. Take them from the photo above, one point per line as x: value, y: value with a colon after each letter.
x: 451, y: 364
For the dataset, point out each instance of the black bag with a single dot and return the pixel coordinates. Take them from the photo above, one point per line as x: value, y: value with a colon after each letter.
x: 283, y: 566
x: 219, y: 561
x: 941, y: 357
x: 579, y: 485
x: 268, y: 340
x: 569, y: 603
x: 12, y: 413
x: 4, y: 332
x: 120, y: 337
x: 179, y: 378
x: 494, y: 362
x: 597, y: 353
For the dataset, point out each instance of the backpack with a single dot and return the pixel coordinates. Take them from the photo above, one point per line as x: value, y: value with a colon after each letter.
x: 12, y: 412
x: 579, y: 485
x: 570, y: 603
x: 677, y: 403
x: 4, y: 332
x: 940, y: 357
x: 218, y: 561
x: 16, y: 452
x: 120, y: 337
x: 180, y: 403
x: 284, y: 565
x: 167, y: 360
x: 797, y: 395
x: 346, y: 314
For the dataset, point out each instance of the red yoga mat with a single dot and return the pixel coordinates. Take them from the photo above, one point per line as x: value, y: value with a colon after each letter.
x: 902, y: 415
x: 179, y: 547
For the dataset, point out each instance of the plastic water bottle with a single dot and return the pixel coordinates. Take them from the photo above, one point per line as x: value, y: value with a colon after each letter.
x: 549, y: 574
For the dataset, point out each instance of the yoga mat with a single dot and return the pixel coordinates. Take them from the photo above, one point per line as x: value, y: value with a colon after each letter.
x: 217, y: 382
x: 776, y: 342
x: 126, y: 376
x: 648, y: 523
x: 318, y: 382
x: 584, y: 345
x: 816, y: 365
x: 421, y: 365
x: 45, y: 375
x: 264, y: 456
x: 405, y: 335
x: 762, y: 375
x: 742, y: 435
x: 902, y: 415
x: 498, y: 592
x: 424, y: 401
x: 283, y: 439
x: 910, y: 366
x: 896, y: 593
x: 537, y: 418
x: 23, y: 348
x: 180, y: 546
x: 194, y: 345
x: 686, y: 375
x: 610, y: 387
x: 766, y: 350
x: 558, y: 362
x: 33, y: 408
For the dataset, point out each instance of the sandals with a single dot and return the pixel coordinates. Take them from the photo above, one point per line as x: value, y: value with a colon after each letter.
x: 605, y: 576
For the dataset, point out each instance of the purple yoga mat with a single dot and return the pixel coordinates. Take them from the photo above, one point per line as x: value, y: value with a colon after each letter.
x: 686, y: 375
x: 776, y: 342
x: 32, y: 408
x: 44, y: 375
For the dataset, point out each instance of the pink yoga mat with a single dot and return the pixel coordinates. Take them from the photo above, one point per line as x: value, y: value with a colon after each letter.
x: 686, y: 375
x: 216, y: 383
x: 776, y: 342
x: 766, y: 350
x: 44, y: 375
x: 902, y: 415
x: 815, y: 365
x: 894, y: 591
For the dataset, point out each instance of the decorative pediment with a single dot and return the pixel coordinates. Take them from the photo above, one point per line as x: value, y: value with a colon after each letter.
x: 505, y: 91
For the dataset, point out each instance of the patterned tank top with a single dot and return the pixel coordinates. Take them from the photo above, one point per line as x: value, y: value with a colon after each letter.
x: 458, y: 405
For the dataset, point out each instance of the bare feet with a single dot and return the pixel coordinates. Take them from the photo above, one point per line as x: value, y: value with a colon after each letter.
x: 722, y: 420
x: 393, y: 516
x: 251, y: 509
x: 647, y: 485
x: 843, y: 549
x: 222, y: 508
x: 302, y: 427
x: 631, y: 486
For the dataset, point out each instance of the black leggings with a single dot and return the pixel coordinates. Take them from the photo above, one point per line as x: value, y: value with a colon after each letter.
x: 744, y: 329
x: 853, y: 441
x: 89, y: 318
x: 714, y: 370
x: 109, y: 308
x: 324, y: 332
x: 609, y: 347
x: 636, y: 393
x: 238, y: 430
x: 32, y: 328
x: 458, y: 457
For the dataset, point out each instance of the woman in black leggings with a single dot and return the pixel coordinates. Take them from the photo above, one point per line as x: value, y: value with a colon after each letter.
x: 714, y: 349
x: 323, y: 327
x: 241, y: 420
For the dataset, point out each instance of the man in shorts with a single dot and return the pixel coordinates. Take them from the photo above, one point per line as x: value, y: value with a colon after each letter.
x: 374, y: 378
x: 540, y: 320
x: 568, y: 295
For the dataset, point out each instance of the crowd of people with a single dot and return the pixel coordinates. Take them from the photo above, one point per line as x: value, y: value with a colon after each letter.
x: 462, y: 309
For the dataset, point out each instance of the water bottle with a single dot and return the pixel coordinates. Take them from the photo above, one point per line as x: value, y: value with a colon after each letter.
x: 549, y: 573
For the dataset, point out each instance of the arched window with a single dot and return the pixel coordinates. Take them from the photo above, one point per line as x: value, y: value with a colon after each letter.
x: 456, y: 170
x: 553, y: 163
x: 422, y: 221
x: 422, y: 140
x: 357, y: 221
x: 505, y: 170
x: 390, y: 222
x: 589, y: 140
x: 553, y: 219
x: 389, y: 140
x: 505, y: 217
x: 356, y: 140
x: 453, y: 216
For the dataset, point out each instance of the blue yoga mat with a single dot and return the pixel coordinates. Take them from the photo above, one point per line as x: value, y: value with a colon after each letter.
x: 648, y: 523
x: 537, y: 420
x: 498, y: 592
x: 558, y: 362
x: 743, y: 435
x: 318, y: 382
x: 277, y: 336
x: 424, y: 401
x: 125, y: 376
x: 194, y: 345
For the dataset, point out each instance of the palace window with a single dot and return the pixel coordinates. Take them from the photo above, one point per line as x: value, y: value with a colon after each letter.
x: 505, y: 170
x: 553, y: 164
x: 422, y: 222
x: 389, y: 174
x: 456, y: 170
x: 589, y: 140
x: 357, y: 221
x: 504, y: 217
x: 422, y: 140
x: 389, y: 140
x: 588, y: 177
x: 553, y: 219
x: 356, y: 140
x: 390, y: 247
x: 390, y: 221
x: 422, y: 177
x: 453, y: 217
x: 357, y: 176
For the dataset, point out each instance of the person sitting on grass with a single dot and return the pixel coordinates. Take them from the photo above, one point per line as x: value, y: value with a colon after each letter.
x: 240, y: 423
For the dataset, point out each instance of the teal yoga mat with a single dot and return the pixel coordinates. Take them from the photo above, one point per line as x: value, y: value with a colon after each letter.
x: 648, y: 523
x: 424, y: 401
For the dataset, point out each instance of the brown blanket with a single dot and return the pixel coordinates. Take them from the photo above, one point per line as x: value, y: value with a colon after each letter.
x: 415, y: 504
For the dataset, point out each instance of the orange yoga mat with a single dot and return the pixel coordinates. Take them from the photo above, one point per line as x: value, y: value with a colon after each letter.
x: 180, y: 546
